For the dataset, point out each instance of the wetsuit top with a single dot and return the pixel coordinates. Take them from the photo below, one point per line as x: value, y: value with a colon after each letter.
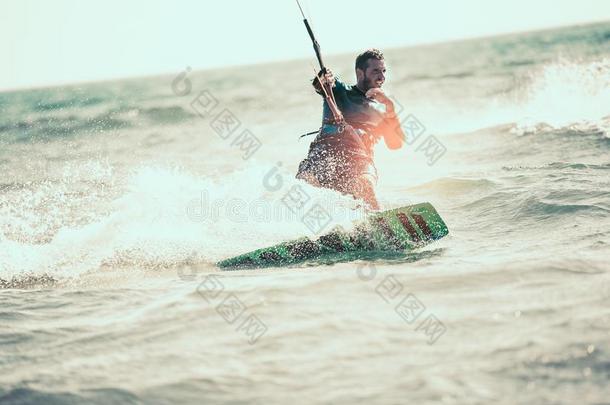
x: 362, y: 113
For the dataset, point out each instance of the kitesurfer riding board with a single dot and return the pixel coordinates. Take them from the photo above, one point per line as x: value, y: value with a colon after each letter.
x: 341, y: 155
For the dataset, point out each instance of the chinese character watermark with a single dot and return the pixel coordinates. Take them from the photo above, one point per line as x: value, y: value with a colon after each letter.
x: 413, y: 129
x: 231, y: 308
x: 409, y: 308
x: 225, y: 123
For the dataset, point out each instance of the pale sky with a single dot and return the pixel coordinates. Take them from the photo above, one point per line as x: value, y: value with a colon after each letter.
x: 47, y: 42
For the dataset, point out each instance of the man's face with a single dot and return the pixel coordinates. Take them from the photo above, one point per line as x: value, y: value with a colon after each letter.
x: 373, y: 76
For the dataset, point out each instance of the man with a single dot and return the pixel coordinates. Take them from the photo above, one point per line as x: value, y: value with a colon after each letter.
x: 341, y: 155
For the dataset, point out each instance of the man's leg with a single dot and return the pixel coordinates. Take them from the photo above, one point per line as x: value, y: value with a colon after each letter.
x: 355, y: 177
x: 362, y: 188
x: 306, y: 172
x: 309, y: 178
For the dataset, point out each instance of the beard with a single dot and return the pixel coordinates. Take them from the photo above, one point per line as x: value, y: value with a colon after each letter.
x: 369, y: 83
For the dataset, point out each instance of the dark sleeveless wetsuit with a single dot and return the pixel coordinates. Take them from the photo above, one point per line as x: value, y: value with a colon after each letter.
x: 336, y: 158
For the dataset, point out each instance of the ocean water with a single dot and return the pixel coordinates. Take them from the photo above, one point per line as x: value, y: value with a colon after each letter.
x: 118, y: 198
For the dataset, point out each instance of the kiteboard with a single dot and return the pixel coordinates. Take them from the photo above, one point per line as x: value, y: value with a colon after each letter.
x: 397, y: 230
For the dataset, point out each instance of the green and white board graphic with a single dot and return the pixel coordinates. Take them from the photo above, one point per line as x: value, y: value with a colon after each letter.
x: 398, y: 230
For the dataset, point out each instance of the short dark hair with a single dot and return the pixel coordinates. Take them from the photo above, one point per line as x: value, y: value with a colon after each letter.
x: 363, y: 59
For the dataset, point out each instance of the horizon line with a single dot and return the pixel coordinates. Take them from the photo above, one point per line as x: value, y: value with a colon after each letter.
x: 151, y: 75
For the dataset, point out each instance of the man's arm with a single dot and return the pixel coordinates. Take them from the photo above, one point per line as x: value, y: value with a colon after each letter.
x: 393, y: 134
x: 391, y: 129
x: 329, y: 77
